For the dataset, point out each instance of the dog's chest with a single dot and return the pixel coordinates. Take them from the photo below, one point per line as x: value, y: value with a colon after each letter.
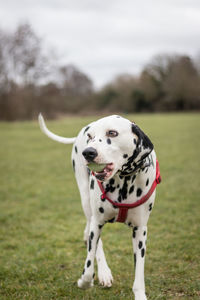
x: 127, y: 190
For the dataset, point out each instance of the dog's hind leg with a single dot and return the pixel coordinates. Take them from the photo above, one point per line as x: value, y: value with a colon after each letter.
x: 82, y: 179
x: 85, y: 201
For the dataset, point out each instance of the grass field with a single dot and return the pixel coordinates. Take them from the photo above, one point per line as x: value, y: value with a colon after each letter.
x: 41, y: 221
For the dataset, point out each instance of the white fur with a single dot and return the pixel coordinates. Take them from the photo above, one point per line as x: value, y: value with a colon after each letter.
x: 91, y: 201
x: 52, y: 135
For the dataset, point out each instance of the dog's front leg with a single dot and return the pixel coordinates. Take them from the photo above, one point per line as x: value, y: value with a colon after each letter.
x: 87, y: 278
x: 139, y: 247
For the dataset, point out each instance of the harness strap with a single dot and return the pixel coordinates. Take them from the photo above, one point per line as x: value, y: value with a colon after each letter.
x: 122, y: 214
x: 123, y: 207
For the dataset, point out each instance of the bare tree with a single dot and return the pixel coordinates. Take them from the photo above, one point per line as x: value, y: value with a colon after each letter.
x: 4, y: 48
x: 22, y: 66
x: 74, y: 82
x: 27, y: 64
x: 182, y: 85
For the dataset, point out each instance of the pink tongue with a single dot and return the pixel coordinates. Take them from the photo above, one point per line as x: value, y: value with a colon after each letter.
x: 105, y: 170
x: 108, y: 168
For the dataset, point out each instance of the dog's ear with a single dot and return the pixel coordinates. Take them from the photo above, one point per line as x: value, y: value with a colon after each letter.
x: 144, y: 146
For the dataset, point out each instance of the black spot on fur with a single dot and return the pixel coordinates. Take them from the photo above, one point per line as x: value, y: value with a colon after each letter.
x: 108, y: 141
x: 112, y: 189
x: 139, y: 192
x: 125, y: 155
x: 135, y: 260
x: 76, y: 149
x: 134, y: 141
x: 150, y: 206
x: 73, y: 163
x: 142, y: 252
x: 134, y: 231
x: 92, y: 184
x: 140, y: 244
x: 90, y: 240
x: 101, y: 210
x: 88, y: 263
x: 147, y: 182
x: 107, y: 187
x: 100, y: 140
x: 124, y: 189
x: 119, y: 199
x: 133, y: 178
x: 92, y: 235
x: 131, y: 189
x: 83, y: 271
x: 144, y: 233
x: 100, y: 226
x: 112, y: 181
x: 86, y: 129
x: 89, y: 245
x: 129, y: 224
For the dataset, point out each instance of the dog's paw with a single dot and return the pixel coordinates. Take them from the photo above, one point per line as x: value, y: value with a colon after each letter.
x: 105, y: 277
x: 139, y: 295
x: 84, y: 284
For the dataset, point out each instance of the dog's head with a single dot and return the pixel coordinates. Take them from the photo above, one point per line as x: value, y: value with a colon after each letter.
x: 114, y: 144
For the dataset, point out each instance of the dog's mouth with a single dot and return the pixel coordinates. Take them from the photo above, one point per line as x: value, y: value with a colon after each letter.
x: 101, y: 171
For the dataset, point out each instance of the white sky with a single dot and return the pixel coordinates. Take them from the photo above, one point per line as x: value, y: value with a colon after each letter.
x: 104, y: 38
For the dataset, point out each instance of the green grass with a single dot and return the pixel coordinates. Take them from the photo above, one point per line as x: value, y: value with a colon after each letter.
x: 41, y: 221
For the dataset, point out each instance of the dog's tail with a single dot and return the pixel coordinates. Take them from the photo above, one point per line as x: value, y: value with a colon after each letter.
x: 53, y: 136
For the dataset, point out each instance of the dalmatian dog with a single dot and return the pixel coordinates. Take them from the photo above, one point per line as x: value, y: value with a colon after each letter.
x: 116, y: 171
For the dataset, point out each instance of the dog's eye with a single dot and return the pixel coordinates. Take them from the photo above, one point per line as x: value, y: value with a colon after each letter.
x: 112, y: 133
x: 89, y: 136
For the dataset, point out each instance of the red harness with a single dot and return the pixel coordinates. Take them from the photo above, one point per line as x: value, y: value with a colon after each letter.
x: 123, y: 208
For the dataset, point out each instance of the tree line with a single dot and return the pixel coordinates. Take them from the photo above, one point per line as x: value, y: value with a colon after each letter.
x: 33, y: 81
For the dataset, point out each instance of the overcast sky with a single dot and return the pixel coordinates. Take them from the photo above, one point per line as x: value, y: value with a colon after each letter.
x: 104, y: 38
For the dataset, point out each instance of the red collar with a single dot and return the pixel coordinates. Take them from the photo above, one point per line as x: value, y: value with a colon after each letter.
x: 123, y: 207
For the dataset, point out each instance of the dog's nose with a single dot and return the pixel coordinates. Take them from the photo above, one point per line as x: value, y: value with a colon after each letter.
x: 90, y: 153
